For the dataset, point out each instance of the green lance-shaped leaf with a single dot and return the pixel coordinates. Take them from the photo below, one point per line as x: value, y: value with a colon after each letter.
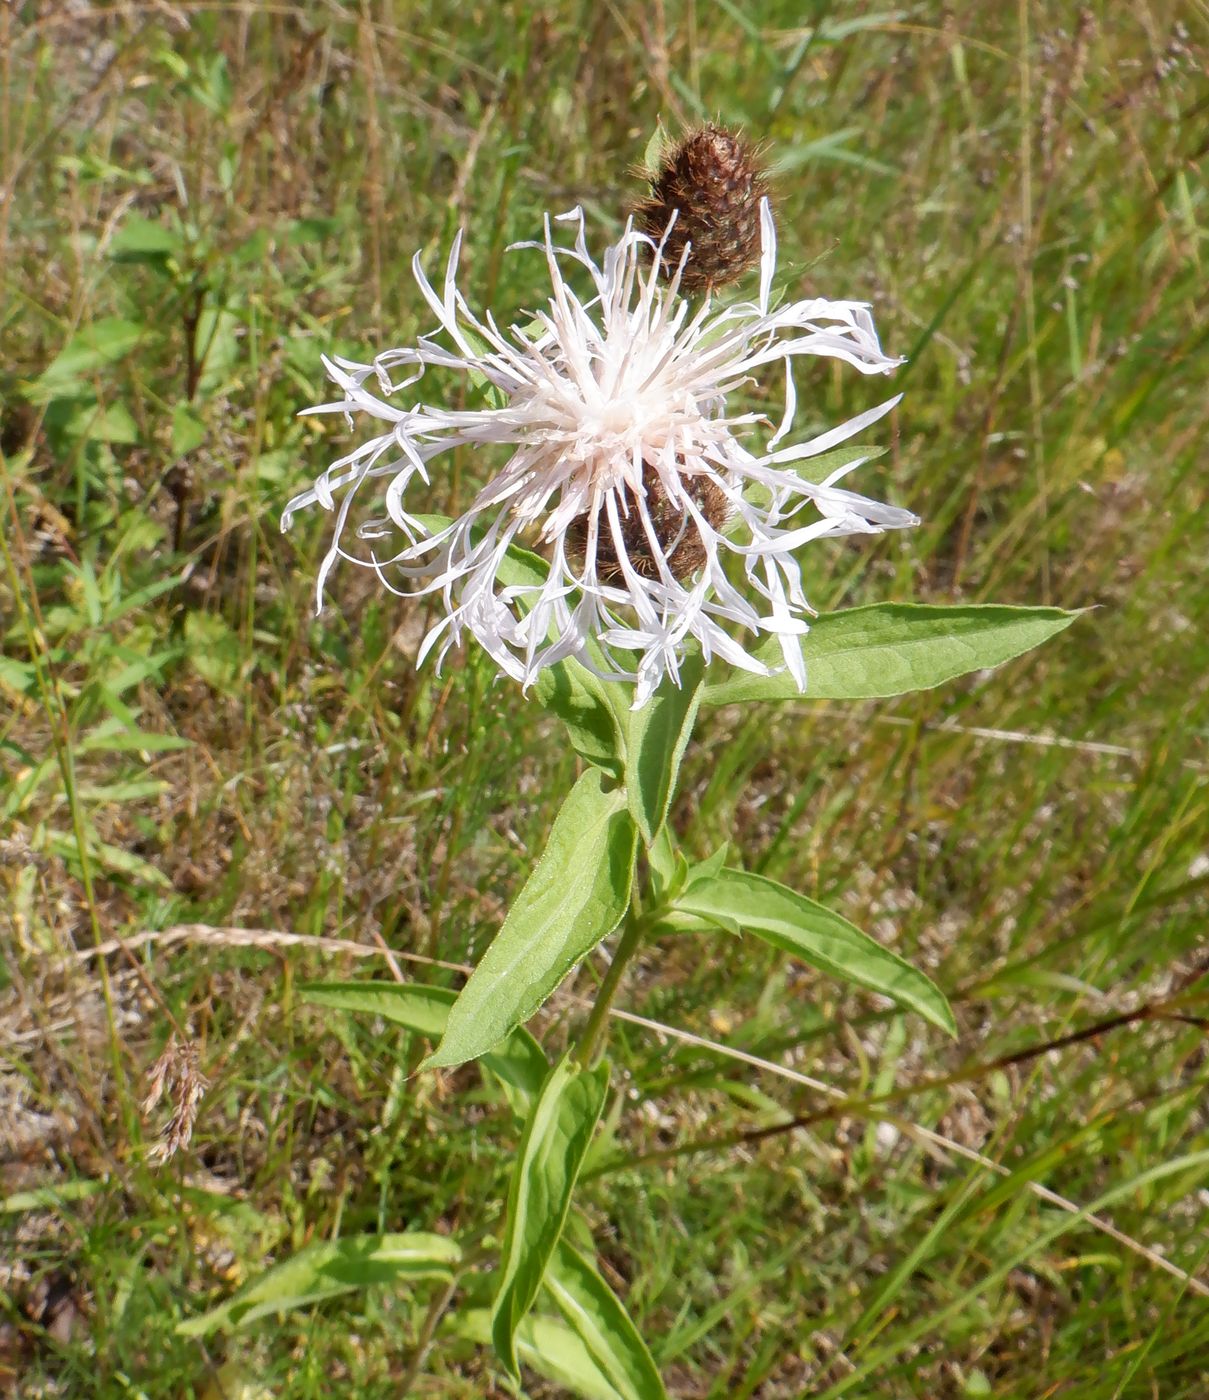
x: 789, y: 921
x: 518, y: 1061
x: 652, y: 156
x: 141, y: 240
x: 577, y: 894
x: 549, y: 1347
x: 596, y: 1315
x: 325, y: 1270
x: 555, y: 1141
x: 93, y: 346
x: 659, y: 734
x: 892, y: 648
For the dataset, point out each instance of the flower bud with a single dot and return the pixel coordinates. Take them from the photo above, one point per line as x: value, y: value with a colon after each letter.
x: 713, y: 182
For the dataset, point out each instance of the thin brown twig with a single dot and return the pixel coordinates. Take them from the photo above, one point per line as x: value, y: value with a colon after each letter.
x: 253, y: 938
x: 436, y: 1311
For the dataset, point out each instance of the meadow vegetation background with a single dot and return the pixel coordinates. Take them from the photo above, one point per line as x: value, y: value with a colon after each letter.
x: 199, y: 200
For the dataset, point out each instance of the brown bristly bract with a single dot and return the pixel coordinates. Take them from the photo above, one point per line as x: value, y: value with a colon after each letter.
x: 674, y: 528
x: 713, y: 181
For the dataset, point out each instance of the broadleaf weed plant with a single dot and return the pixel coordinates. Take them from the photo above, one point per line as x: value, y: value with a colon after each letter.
x: 634, y: 561
x: 209, y: 798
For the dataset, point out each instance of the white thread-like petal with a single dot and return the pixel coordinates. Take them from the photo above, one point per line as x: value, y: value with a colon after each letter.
x: 599, y: 403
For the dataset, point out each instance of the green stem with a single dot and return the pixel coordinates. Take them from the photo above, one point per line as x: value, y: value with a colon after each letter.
x: 592, y: 1036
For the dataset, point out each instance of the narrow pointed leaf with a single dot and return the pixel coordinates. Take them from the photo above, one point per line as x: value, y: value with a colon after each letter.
x: 518, y: 1061
x: 659, y: 734
x: 596, y: 1315
x: 52, y: 1197
x: 817, y: 935
x: 666, y: 863
x: 892, y: 648
x: 576, y: 895
x: 708, y: 868
x: 325, y: 1270
x: 555, y: 1141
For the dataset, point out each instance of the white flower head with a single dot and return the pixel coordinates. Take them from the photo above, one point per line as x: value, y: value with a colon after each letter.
x: 627, y: 472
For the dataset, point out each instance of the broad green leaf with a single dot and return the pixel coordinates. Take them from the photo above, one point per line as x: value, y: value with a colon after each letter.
x: 596, y: 1315
x: 577, y: 894
x: 556, y: 1138
x: 95, y: 422
x: 217, y: 348
x: 141, y: 240
x: 817, y: 935
x: 17, y: 675
x: 93, y: 346
x: 51, y: 1197
x: 518, y: 1062
x: 214, y: 650
x: 892, y: 648
x: 550, y: 1348
x: 325, y: 1270
x: 188, y: 430
x: 570, y: 691
x: 659, y: 734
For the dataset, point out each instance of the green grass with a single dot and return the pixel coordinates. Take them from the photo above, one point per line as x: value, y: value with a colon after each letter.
x: 199, y: 201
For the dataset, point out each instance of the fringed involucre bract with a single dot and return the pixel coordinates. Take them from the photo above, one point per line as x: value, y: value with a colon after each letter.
x: 628, y: 470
